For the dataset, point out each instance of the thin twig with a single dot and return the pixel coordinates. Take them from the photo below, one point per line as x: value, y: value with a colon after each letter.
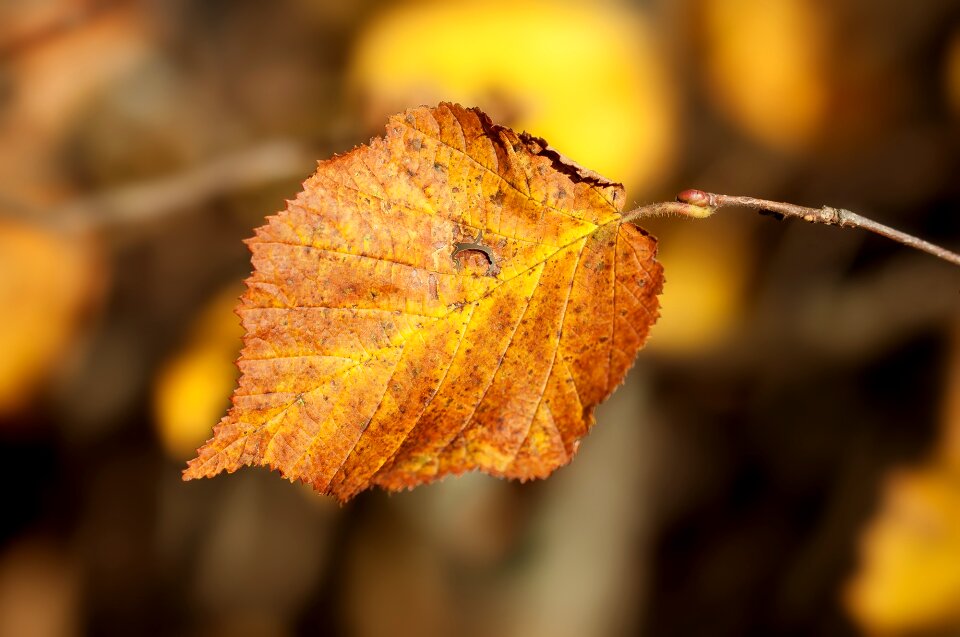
x: 264, y: 163
x: 145, y: 201
x: 699, y: 204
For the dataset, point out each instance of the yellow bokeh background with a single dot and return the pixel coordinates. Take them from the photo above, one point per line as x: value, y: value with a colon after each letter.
x: 588, y: 78
x: 783, y: 458
x: 191, y: 388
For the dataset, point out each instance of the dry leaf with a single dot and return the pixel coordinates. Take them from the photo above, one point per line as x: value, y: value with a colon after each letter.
x: 453, y: 296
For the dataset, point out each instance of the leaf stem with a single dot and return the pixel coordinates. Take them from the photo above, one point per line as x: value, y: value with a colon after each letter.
x: 699, y: 204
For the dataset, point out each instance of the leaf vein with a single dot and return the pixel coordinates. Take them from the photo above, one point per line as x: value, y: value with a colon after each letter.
x: 546, y: 381
x: 499, y: 176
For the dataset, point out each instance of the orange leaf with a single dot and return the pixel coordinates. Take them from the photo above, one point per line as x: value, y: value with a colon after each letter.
x: 452, y: 297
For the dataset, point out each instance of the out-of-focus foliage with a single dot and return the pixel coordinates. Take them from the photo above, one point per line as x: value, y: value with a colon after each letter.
x: 39, y: 590
x: 47, y: 280
x: 951, y: 78
x: 909, y: 582
x: 909, y: 578
x: 191, y: 389
x: 49, y: 74
x: 766, y: 67
x: 708, y: 273
x: 534, y: 65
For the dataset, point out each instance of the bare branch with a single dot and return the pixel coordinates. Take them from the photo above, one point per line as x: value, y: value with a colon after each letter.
x: 136, y: 203
x: 699, y: 204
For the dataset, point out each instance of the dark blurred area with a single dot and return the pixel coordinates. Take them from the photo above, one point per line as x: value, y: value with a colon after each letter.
x: 784, y: 458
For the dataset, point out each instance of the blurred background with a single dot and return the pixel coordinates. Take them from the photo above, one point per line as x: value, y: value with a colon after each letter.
x: 784, y: 458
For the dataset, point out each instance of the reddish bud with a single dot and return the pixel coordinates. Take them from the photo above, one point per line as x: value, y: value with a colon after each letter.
x: 695, y: 198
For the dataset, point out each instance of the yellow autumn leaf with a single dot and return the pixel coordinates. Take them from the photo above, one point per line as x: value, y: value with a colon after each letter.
x: 453, y: 296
